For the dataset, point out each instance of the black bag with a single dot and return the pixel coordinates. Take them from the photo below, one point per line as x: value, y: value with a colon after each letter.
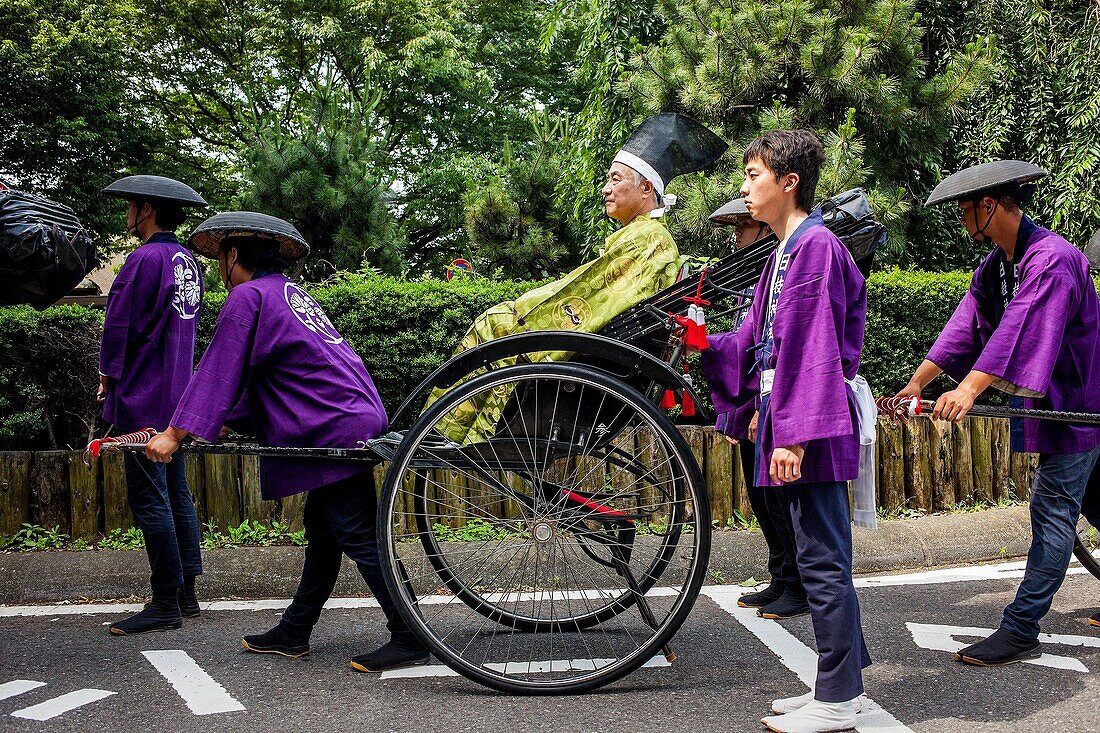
x: 44, y: 250
x: 849, y: 216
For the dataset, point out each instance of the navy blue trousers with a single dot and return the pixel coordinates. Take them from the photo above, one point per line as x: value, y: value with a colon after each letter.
x: 340, y: 519
x: 165, y: 514
x: 820, y: 516
x: 775, y: 524
x: 1056, y: 496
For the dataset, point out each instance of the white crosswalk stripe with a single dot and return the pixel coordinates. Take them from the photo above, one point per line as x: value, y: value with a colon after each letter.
x: 201, y: 692
x: 62, y: 704
x: 18, y: 687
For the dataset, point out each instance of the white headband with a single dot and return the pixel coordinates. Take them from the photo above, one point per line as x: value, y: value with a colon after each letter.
x: 630, y: 159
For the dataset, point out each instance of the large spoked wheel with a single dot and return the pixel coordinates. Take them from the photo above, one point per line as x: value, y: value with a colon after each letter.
x: 555, y: 547
x: 1087, y: 546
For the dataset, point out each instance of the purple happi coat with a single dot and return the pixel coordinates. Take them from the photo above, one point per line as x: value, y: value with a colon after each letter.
x: 276, y: 358
x: 1043, y: 345
x: 817, y: 339
x: 148, y: 347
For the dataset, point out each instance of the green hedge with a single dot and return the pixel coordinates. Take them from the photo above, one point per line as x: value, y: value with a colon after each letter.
x: 402, y: 329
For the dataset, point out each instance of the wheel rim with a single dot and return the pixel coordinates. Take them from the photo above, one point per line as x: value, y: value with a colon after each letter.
x: 509, y: 548
x: 1087, y: 547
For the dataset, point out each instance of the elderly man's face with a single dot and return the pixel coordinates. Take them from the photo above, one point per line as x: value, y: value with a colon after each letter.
x: 623, y: 198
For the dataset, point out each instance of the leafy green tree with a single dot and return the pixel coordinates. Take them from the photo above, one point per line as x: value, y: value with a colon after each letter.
x: 68, y: 125
x: 321, y: 172
x: 1046, y: 107
x: 518, y: 223
x: 751, y: 66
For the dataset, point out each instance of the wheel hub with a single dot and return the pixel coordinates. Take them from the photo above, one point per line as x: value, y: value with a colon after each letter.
x: 542, y: 531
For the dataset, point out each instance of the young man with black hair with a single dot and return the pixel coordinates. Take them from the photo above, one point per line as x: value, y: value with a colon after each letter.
x: 791, y: 360
x: 145, y: 362
x: 1029, y: 326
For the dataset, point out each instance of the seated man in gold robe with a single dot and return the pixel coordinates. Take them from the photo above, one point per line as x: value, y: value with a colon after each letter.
x: 636, y: 261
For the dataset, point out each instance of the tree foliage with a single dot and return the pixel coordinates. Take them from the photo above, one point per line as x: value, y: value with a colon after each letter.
x: 837, y: 69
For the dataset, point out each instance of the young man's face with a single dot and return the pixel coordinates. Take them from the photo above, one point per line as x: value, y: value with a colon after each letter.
x: 764, y: 195
x: 975, y: 216
x: 623, y: 199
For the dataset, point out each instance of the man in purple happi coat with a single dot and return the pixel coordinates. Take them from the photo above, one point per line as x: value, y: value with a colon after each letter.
x: 789, y: 360
x: 277, y: 364
x: 145, y: 362
x: 1029, y: 326
x: 784, y: 597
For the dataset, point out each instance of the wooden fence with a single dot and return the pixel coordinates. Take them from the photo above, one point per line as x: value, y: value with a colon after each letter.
x: 922, y: 465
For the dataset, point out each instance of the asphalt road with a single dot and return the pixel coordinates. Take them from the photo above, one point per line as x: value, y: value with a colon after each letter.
x: 730, y: 666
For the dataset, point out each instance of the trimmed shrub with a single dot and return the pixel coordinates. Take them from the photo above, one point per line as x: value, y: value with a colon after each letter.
x: 403, y: 330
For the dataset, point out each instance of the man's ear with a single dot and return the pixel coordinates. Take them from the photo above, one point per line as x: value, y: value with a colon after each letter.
x: 790, y: 181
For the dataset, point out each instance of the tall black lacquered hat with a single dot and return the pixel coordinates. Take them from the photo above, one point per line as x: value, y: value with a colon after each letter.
x: 669, y: 145
x: 155, y: 188
x: 730, y: 212
x: 1092, y: 251
x: 245, y: 225
x: 999, y: 176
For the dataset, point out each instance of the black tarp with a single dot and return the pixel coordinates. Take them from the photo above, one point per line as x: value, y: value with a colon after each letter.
x: 44, y: 250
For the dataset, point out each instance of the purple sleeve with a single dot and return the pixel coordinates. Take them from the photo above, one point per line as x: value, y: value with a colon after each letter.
x: 809, y: 399
x: 729, y: 363
x: 1023, y: 349
x: 219, y: 381
x: 125, y: 304
x: 962, y: 339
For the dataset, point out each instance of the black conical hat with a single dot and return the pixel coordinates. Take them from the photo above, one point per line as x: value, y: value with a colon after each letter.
x: 1092, y: 251
x: 978, y: 179
x: 729, y: 212
x: 156, y: 188
x: 208, y: 236
x: 669, y: 145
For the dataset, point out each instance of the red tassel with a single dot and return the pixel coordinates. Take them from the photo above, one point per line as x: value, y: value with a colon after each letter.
x: 668, y: 400
x: 696, y: 337
x: 689, y: 405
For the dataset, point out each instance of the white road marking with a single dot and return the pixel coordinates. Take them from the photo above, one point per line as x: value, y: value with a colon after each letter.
x: 798, y: 657
x: 18, y: 687
x: 1000, y: 571
x: 938, y: 637
x: 557, y: 665
x: 201, y: 692
x: 61, y: 704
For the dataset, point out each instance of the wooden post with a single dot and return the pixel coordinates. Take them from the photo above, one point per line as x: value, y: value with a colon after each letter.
x: 253, y: 505
x: 49, y: 487
x: 981, y: 457
x: 891, y: 463
x: 116, y: 505
x: 1002, y: 466
x: 942, y: 450
x: 14, y: 490
x: 84, y: 497
x: 694, y: 436
x: 962, y: 471
x: 718, y: 469
x: 222, y: 476
x: 1023, y: 468
x: 290, y: 510
x: 918, y: 464
x: 196, y: 483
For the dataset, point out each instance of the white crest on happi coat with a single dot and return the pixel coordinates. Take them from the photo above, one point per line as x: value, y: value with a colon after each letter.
x: 188, y: 296
x: 310, y: 314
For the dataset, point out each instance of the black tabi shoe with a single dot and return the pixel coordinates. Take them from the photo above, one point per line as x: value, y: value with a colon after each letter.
x: 1094, y: 619
x: 276, y: 641
x: 786, y: 606
x: 1001, y: 647
x: 390, y: 655
x: 189, y: 602
x: 762, y: 597
x: 162, y: 614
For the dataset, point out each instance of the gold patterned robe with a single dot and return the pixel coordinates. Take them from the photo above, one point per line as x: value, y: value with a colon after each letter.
x: 638, y: 260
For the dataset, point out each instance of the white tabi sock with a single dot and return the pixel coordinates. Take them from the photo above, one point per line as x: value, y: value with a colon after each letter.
x: 815, y: 717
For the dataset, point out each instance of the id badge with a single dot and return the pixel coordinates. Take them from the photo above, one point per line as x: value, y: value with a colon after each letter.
x: 766, y: 378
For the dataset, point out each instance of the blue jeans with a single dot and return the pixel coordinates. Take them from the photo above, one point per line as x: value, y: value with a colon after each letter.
x: 165, y: 514
x: 775, y: 524
x: 1056, y: 494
